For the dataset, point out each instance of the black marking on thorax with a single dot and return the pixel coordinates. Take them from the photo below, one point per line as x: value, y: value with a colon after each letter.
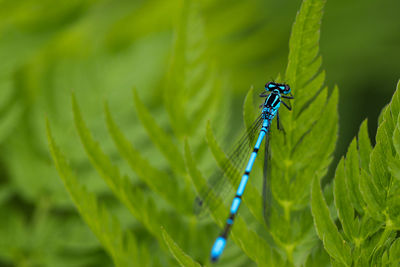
x: 273, y: 100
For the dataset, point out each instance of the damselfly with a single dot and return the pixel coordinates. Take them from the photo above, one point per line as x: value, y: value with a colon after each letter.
x: 270, y: 108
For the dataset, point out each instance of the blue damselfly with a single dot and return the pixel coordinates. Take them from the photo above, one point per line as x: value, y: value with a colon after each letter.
x: 270, y: 108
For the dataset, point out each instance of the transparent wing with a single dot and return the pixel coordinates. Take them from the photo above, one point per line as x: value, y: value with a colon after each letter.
x: 227, y: 176
x: 266, y: 192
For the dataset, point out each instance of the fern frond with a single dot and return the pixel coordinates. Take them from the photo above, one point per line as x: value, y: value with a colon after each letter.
x: 307, y: 146
x: 366, y: 185
x: 133, y: 197
x: 327, y: 231
x: 10, y: 114
x: 183, y: 259
x: 165, y: 185
x: 305, y: 150
x: 188, y: 71
x: 122, y: 247
x: 159, y: 137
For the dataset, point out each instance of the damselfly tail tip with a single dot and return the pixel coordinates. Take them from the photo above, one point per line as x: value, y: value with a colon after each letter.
x: 218, y: 248
x: 214, y: 259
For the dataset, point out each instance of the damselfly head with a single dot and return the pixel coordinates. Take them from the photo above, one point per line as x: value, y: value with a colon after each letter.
x: 281, y: 87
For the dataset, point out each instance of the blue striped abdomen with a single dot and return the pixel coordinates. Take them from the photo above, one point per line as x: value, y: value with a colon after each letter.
x: 270, y: 109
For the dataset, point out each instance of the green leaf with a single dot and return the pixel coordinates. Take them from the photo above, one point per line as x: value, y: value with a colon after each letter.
x: 342, y: 201
x: 175, y: 87
x: 334, y: 244
x: 396, y: 137
x: 11, y: 107
x: 311, y: 155
x: 366, y: 195
x: 107, y: 229
x: 394, y: 252
x: 150, y: 17
x: 311, y: 114
x: 379, y: 157
x: 183, y: 259
x: 384, y: 148
x: 395, y: 105
x: 303, y: 62
x: 394, y: 162
x: 165, y: 185
x: 379, y: 187
x: 373, y: 197
x: 353, y: 177
x: 364, y: 145
x: 131, y: 196
x: 207, y: 102
x: 159, y: 137
x: 5, y: 193
x: 368, y: 226
x: 191, y: 73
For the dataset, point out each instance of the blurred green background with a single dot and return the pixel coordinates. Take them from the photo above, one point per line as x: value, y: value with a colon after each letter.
x: 102, y: 49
